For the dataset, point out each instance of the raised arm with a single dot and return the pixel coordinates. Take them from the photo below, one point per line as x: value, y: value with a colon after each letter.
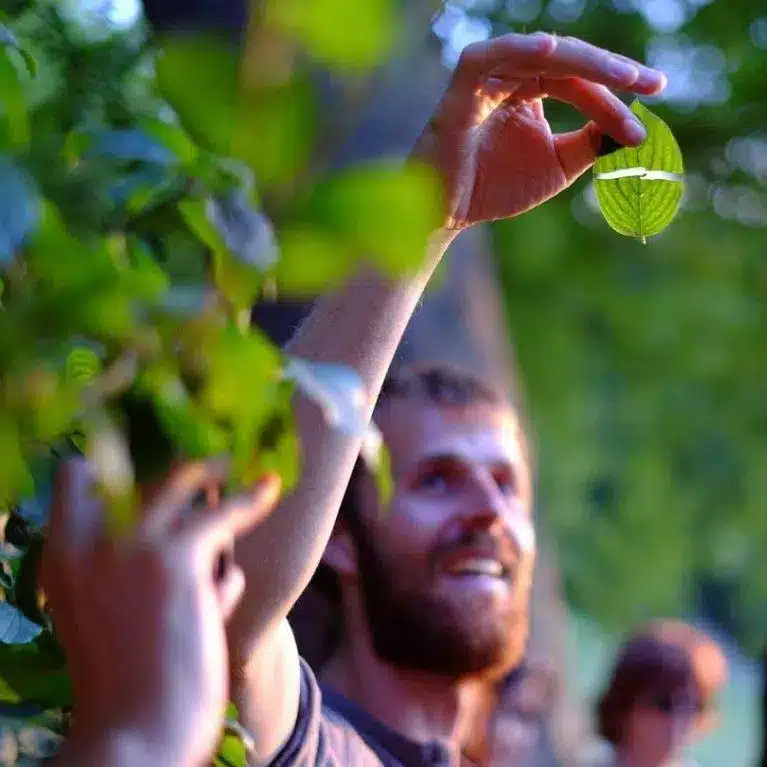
x: 491, y: 144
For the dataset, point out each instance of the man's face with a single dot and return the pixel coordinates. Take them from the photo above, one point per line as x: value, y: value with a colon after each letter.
x: 444, y: 574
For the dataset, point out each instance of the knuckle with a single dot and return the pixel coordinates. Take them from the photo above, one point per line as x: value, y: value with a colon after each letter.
x: 472, y: 56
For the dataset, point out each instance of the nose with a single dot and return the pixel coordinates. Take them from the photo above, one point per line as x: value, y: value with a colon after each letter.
x: 489, y: 508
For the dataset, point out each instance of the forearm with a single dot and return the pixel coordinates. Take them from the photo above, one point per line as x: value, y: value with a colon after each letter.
x: 117, y: 748
x: 360, y: 326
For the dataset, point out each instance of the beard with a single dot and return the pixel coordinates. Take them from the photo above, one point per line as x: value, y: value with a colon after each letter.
x: 426, y: 632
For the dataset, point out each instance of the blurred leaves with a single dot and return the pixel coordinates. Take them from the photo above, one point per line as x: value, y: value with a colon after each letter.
x: 375, y: 454
x: 381, y: 211
x: 35, y: 673
x: 199, y: 76
x: 319, y: 26
x: 130, y: 145
x: 138, y: 184
x: 12, y: 101
x: 15, y: 627
x: 19, y: 209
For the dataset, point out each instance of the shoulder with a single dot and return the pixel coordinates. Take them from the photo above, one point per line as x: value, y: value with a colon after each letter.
x: 321, y: 736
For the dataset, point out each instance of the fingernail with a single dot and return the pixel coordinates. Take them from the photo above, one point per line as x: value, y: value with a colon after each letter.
x: 270, y: 483
x: 608, y: 145
x: 634, y: 130
x: 651, y: 78
x: 622, y: 71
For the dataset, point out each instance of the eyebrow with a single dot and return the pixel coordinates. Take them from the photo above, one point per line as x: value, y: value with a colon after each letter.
x: 457, y: 457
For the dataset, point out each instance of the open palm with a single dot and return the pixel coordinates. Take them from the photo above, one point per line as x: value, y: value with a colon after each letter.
x: 489, y: 137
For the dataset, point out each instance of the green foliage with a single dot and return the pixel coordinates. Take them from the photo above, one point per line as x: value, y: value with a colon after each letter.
x: 639, y: 189
x: 318, y: 26
x: 133, y: 242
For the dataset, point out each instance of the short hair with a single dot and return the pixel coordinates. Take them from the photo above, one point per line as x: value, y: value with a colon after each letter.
x: 662, y: 658
x: 437, y: 385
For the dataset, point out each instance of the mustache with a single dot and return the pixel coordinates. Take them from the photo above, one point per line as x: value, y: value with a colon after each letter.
x: 502, y: 548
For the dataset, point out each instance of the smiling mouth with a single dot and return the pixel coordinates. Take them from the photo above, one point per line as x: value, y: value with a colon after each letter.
x: 478, y: 566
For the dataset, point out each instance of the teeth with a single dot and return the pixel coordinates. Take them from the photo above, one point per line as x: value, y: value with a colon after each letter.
x: 478, y: 566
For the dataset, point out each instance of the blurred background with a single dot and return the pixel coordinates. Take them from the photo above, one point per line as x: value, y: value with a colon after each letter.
x: 641, y: 367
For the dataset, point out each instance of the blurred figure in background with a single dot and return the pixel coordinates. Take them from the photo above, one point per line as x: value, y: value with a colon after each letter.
x: 661, y: 695
x: 519, y: 718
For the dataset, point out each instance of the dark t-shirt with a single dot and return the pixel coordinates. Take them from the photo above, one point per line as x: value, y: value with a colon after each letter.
x: 331, y: 731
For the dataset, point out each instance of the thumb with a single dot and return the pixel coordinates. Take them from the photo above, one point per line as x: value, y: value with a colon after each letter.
x: 218, y: 526
x: 578, y: 150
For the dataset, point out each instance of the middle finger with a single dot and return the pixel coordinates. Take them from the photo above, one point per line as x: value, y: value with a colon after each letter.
x: 573, y: 57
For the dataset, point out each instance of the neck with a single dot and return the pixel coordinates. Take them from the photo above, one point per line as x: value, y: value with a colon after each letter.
x: 422, y: 707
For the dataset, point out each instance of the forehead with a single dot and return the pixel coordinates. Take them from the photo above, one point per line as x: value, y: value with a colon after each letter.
x: 416, y: 431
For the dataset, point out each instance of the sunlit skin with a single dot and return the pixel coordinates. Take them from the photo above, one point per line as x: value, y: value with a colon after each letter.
x: 456, y: 468
x: 493, y: 165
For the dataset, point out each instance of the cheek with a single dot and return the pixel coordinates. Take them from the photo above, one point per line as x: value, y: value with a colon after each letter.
x: 412, y: 526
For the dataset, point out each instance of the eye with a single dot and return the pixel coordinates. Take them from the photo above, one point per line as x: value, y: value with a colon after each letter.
x: 434, y: 480
x: 440, y: 477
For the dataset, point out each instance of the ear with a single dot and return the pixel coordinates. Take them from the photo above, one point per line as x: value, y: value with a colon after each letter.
x: 340, y: 554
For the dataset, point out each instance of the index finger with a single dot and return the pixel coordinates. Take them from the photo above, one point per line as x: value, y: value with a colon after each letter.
x: 540, y: 54
x: 602, y: 66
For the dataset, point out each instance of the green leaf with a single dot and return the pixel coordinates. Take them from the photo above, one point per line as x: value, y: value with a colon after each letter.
x: 278, y: 447
x: 232, y: 750
x: 242, y: 372
x: 318, y: 26
x: 311, y: 261
x: 9, y: 40
x: 237, y: 278
x: 83, y: 364
x: 245, y: 230
x: 108, y: 452
x: 199, y: 75
x: 173, y: 137
x: 639, y: 189
x: 130, y: 145
x: 285, y: 120
x: 12, y: 102
x: 35, y: 673
x: 15, y: 627
x: 381, y: 211
x: 377, y: 459
x: 19, y: 209
x: 15, y: 478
